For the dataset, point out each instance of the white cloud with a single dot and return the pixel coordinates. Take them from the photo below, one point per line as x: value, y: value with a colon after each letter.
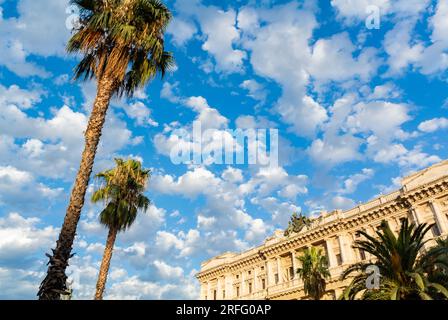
x: 255, y: 90
x: 134, y: 288
x: 404, y: 51
x: 219, y: 32
x: 280, y: 211
x: 356, y: 11
x: 342, y: 203
x: 23, y: 36
x: 265, y: 31
x: 23, y: 99
x: 32, y: 143
x: 233, y: 175
x: 140, y: 113
x: 170, y: 92
x: 206, y: 222
x: 209, y: 117
x: 409, y: 159
x: 181, y: 31
x: 332, y: 60
x: 20, y: 188
x: 165, y: 271
x: 351, y: 183
x: 433, y: 125
x: 18, y: 283
x: 191, y: 184
x: 22, y: 238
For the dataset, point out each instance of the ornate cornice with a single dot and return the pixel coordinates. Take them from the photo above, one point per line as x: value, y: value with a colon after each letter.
x: 404, y: 200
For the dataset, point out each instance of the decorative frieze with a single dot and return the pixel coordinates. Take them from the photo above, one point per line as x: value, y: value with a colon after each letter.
x: 336, y: 228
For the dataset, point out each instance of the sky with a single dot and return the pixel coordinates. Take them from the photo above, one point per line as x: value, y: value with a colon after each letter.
x: 358, y: 104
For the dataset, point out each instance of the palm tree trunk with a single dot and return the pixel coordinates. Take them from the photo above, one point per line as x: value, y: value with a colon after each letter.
x: 54, y: 283
x: 105, y: 264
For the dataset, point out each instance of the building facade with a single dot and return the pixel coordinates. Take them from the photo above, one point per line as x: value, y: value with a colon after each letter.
x: 267, y: 271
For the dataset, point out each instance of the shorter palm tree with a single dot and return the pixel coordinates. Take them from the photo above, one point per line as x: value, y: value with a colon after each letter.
x: 314, y: 272
x: 435, y: 265
x: 402, y: 263
x: 122, y: 193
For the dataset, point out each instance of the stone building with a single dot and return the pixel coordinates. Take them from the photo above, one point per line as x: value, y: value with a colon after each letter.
x: 266, y: 272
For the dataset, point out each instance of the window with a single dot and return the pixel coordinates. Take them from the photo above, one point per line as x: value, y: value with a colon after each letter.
x: 435, y: 230
x: 214, y: 294
x: 237, y: 276
x: 249, y: 272
x: 362, y: 254
x: 250, y: 287
x: 262, y: 268
x: 291, y: 273
x: 263, y: 284
x: 237, y: 291
x: 223, y: 294
x: 339, y: 259
x: 276, y: 278
x: 402, y: 221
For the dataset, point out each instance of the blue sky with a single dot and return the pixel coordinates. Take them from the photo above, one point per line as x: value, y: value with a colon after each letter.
x: 356, y: 109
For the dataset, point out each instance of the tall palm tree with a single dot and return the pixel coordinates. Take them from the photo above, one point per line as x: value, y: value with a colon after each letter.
x: 402, y: 263
x: 314, y: 272
x: 122, y: 47
x: 122, y: 193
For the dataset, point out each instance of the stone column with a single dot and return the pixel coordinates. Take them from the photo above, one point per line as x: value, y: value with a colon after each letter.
x: 393, y: 225
x: 243, y: 283
x: 268, y: 273
x: 345, y: 250
x: 255, y: 282
x: 229, y: 286
x: 294, y: 266
x: 218, y: 289
x: 204, y: 291
x: 414, y: 215
x: 279, y: 270
x: 331, y: 257
x: 209, y: 291
x: 439, y: 218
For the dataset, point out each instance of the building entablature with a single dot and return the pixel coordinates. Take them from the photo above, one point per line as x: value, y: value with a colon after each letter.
x: 330, y: 225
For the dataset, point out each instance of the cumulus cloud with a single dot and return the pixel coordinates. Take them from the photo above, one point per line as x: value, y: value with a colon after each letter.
x: 255, y: 90
x: 38, y: 141
x: 21, y: 190
x: 23, y: 36
x: 181, y: 31
x: 140, y: 113
x: 433, y: 125
x: 22, y: 238
x: 351, y: 183
x: 219, y: 31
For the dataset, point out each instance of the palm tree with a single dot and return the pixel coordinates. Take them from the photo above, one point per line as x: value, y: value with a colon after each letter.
x: 314, y: 272
x: 122, y: 47
x: 435, y: 265
x: 402, y: 263
x: 122, y: 193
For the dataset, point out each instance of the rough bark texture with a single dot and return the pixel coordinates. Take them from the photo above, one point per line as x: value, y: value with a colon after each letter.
x: 105, y: 264
x: 55, y: 283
